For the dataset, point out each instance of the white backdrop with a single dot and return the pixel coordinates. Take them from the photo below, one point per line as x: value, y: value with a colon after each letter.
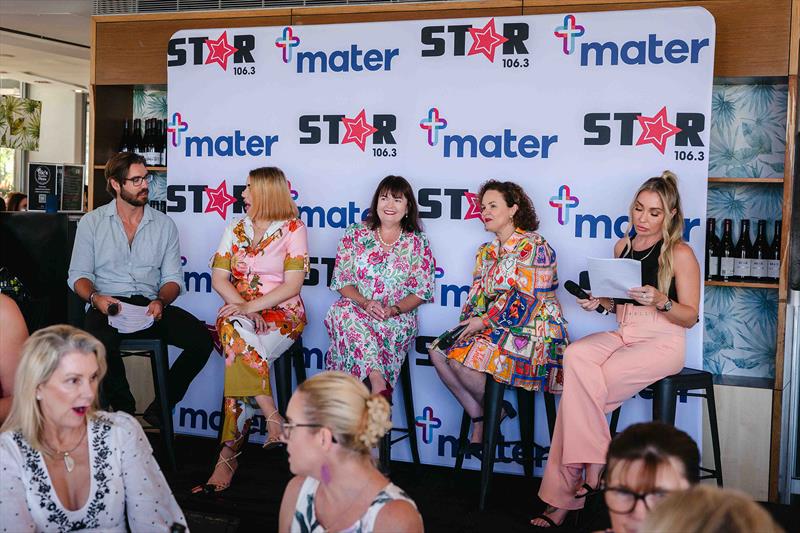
x: 578, y: 109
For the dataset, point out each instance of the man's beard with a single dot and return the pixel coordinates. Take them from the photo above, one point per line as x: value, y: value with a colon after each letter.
x: 137, y: 200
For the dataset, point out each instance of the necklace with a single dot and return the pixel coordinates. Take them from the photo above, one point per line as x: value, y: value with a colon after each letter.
x: 69, y: 462
x: 380, y: 239
x: 648, y: 253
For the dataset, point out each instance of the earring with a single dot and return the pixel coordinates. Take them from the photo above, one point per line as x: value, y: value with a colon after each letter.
x: 325, y: 474
x: 38, y: 397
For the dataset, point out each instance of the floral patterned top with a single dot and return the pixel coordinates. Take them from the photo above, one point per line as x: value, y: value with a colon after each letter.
x: 305, y: 515
x: 386, y: 277
x: 257, y: 268
x: 126, y: 482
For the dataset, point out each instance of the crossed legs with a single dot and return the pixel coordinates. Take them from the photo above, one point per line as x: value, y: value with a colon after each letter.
x: 467, y: 386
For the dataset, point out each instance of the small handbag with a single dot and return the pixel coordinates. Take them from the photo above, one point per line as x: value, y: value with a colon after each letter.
x: 449, y: 338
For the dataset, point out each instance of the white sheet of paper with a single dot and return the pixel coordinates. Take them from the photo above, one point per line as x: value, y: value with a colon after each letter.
x: 131, y: 318
x: 611, y: 278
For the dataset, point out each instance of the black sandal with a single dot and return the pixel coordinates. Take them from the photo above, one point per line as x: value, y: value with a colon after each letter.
x: 551, y: 523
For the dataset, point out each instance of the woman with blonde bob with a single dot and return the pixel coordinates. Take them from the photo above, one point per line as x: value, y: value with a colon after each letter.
x: 333, y: 423
x: 67, y: 466
x: 604, y: 369
x: 258, y: 270
x: 708, y: 509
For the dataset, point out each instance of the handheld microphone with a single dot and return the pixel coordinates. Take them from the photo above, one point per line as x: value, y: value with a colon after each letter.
x: 576, y: 291
x: 113, y: 309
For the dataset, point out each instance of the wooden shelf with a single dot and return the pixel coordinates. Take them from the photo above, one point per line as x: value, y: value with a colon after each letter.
x: 741, y: 284
x: 153, y: 168
x: 749, y: 181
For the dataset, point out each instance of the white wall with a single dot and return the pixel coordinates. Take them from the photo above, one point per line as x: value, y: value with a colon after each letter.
x: 61, y: 137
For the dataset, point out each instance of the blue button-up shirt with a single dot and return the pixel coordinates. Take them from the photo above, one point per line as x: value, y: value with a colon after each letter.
x: 102, y: 255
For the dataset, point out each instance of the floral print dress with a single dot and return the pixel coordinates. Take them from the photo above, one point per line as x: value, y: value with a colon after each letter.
x: 256, y: 269
x: 360, y: 343
x: 514, y: 291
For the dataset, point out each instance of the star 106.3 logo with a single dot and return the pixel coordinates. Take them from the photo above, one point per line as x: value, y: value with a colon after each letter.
x: 203, y: 50
x: 486, y: 41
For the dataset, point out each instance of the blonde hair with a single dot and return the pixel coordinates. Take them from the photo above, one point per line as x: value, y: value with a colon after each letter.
x: 341, y: 403
x: 270, y: 195
x: 666, y: 187
x: 41, y: 355
x: 708, y: 509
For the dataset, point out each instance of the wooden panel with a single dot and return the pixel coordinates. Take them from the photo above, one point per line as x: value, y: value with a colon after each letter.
x: 748, y: 181
x: 135, y: 51
x: 741, y: 284
x: 388, y: 12
x: 742, y: 47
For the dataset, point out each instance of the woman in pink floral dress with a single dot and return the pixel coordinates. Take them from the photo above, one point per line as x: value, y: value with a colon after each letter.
x: 384, y: 271
x: 258, y: 270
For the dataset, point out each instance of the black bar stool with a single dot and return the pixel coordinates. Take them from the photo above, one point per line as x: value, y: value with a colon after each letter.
x: 492, y: 407
x: 157, y: 351
x: 409, y: 432
x: 665, y: 400
x: 293, y: 357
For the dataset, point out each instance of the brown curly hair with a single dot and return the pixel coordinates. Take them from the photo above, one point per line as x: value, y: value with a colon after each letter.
x: 525, y: 218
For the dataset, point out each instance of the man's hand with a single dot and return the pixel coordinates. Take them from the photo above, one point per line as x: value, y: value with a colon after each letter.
x: 155, y: 309
x: 101, y: 302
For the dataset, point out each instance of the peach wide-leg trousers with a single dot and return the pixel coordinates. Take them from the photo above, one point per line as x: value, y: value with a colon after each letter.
x: 601, y: 371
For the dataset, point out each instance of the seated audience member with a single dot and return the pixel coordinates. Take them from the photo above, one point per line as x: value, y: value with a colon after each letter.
x: 645, y: 463
x: 709, y: 509
x: 14, y: 334
x: 66, y: 466
x: 333, y: 422
x: 16, y: 201
x: 126, y: 252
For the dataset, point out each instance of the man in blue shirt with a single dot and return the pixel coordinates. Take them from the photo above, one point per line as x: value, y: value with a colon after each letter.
x: 128, y: 252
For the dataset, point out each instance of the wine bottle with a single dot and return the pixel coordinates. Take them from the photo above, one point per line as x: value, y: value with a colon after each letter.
x: 712, y: 250
x: 726, y: 261
x: 125, y: 141
x: 743, y: 254
x: 160, y: 146
x: 151, y: 153
x: 136, y: 136
x: 774, y: 261
x: 760, y: 254
x: 165, y: 140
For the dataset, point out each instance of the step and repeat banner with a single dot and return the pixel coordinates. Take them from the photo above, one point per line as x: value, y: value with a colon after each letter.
x: 577, y: 108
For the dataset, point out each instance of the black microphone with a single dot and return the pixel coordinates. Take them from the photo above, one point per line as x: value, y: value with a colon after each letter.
x: 576, y: 291
x: 113, y: 309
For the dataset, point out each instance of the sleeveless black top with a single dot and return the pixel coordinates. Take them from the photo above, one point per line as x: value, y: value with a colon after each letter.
x: 649, y: 259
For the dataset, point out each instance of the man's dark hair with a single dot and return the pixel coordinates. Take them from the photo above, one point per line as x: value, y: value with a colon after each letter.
x: 117, y: 169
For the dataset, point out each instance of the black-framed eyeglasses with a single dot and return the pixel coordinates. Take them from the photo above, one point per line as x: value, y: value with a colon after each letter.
x: 287, y: 427
x: 621, y: 500
x: 137, y: 180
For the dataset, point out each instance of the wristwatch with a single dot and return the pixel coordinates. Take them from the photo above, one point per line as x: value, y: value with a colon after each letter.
x: 667, y: 306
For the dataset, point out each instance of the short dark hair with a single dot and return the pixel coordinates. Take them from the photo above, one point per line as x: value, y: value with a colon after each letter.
x: 117, y: 169
x: 395, y: 185
x: 525, y: 218
x: 13, y: 200
x: 654, y: 443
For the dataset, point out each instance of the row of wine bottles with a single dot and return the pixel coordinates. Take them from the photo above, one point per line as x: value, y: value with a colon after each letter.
x: 152, y: 145
x: 747, y: 260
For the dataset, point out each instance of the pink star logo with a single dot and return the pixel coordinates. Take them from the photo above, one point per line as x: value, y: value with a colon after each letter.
x: 220, y: 50
x: 485, y: 41
x: 219, y: 200
x: 656, y: 130
x: 474, y: 209
x: 357, y: 130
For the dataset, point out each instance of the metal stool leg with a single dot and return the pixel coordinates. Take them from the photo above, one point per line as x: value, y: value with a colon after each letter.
x: 283, y: 381
x: 665, y: 398
x: 463, y: 440
x: 712, y: 419
x: 492, y: 405
x: 527, y: 423
x: 298, y: 360
x: 408, y: 404
x: 615, y: 421
x: 160, y: 365
x: 550, y: 409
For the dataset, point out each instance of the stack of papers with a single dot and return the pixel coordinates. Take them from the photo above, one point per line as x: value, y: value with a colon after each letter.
x: 130, y: 318
x: 612, y: 278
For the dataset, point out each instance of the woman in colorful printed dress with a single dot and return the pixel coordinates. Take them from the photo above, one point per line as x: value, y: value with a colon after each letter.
x: 333, y: 424
x: 258, y: 270
x: 514, y: 331
x: 384, y: 271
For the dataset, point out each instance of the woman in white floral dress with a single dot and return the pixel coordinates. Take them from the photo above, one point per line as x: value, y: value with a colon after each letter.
x: 384, y: 271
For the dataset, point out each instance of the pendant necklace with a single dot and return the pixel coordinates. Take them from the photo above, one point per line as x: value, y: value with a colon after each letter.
x: 648, y: 253
x: 69, y: 462
x: 380, y: 239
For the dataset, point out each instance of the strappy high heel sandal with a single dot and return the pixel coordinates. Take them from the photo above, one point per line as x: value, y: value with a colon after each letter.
x: 215, y: 488
x: 273, y: 441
